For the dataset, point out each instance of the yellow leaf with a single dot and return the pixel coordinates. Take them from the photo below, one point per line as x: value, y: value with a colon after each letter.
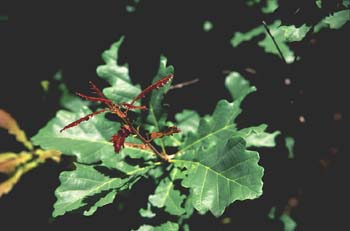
x: 9, y: 161
x: 8, y: 184
x: 48, y: 154
x: 9, y: 123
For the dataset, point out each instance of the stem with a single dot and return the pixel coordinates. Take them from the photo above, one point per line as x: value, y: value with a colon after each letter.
x: 183, y: 84
x: 134, y: 130
x: 274, y: 41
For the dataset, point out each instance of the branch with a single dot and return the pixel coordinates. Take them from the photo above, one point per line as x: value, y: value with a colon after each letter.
x: 274, y: 41
x: 183, y: 84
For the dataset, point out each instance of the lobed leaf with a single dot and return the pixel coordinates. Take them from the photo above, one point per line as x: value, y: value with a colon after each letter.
x: 87, y: 141
x: 168, y: 197
x: 257, y: 137
x: 187, y: 121
x: 221, y: 174
x: 282, y: 35
x: 147, y: 213
x: 333, y: 21
x: 238, y: 86
x: 108, y: 199
x: 122, y: 89
x: 156, y: 118
x: 84, y: 182
x: 67, y: 100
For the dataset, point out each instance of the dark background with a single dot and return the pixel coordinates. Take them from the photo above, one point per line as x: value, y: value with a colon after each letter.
x: 42, y: 37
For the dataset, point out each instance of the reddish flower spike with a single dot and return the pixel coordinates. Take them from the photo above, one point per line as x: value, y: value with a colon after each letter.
x: 96, y: 90
x: 85, y: 118
x: 119, y: 138
x: 94, y: 99
x: 160, y: 83
x: 130, y: 106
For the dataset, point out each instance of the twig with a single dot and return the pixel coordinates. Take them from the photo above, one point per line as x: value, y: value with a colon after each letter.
x: 274, y: 41
x: 183, y: 84
x: 134, y: 130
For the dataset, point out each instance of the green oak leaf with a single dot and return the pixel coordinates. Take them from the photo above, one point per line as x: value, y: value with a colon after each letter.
x: 147, y: 213
x: 293, y: 33
x: 156, y: 118
x: 238, y: 86
x: 252, y: 2
x: 319, y: 3
x: 168, y: 226
x: 272, y: 214
x: 108, y: 199
x: 333, y: 21
x: 270, y: 7
x: 168, y: 197
x: 84, y: 182
x: 289, y: 142
x: 117, y: 161
x: 67, y: 100
x: 221, y: 124
x: 282, y: 35
x: 187, y: 121
x: 221, y: 174
x: 257, y: 136
x: 87, y: 141
x: 240, y: 37
x: 288, y: 223
x: 121, y: 90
